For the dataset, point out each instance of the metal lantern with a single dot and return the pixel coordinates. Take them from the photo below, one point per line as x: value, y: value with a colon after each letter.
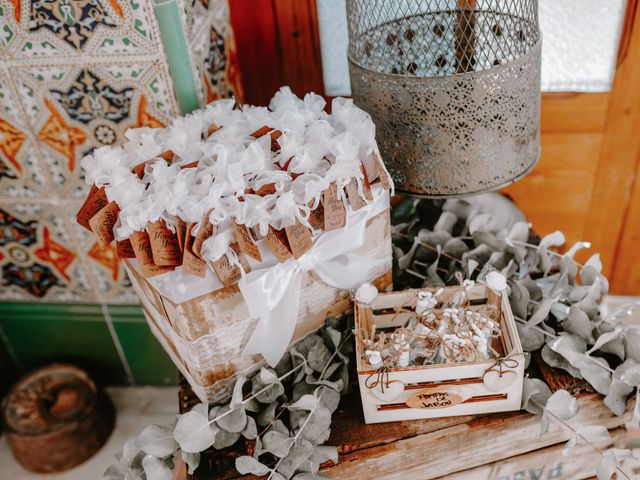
x: 453, y: 87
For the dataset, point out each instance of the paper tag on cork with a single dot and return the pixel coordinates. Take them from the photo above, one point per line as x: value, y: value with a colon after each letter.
x: 228, y: 273
x: 316, y: 217
x: 355, y: 199
x: 181, y: 230
x: 246, y: 242
x: 164, y: 244
x: 275, y: 145
x: 212, y: 129
x: 191, y: 263
x: 168, y: 155
x: 142, y: 249
x: 124, y: 249
x: 382, y: 172
x: 266, y: 189
x: 277, y: 242
x: 204, y: 232
x: 102, y: 223
x: 261, y: 131
x: 95, y: 201
x: 335, y: 213
x: 366, y: 185
x: 299, y: 238
x: 190, y: 165
x: 139, y: 170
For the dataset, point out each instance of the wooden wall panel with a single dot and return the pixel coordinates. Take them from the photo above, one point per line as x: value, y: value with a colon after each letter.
x: 278, y: 44
x: 556, y: 194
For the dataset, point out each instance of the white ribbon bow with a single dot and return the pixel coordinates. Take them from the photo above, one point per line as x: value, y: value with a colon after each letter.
x: 272, y: 294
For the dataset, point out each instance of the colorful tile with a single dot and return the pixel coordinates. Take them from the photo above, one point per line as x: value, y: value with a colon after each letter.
x: 43, y: 333
x: 75, y: 75
x: 149, y: 364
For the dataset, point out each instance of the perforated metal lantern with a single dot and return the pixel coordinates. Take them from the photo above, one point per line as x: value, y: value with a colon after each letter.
x: 453, y: 87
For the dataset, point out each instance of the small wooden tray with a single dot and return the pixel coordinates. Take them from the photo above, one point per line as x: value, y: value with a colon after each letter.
x: 440, y: 390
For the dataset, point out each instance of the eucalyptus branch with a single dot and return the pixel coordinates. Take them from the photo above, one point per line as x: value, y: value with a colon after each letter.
x: 577, y: 433
x: 551, y: 335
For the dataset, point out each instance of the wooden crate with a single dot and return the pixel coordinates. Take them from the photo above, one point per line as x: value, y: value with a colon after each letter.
x: 441, y: 390
x: 205, y: 336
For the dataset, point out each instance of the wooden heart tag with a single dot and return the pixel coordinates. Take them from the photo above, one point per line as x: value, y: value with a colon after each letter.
x: 440, y: 397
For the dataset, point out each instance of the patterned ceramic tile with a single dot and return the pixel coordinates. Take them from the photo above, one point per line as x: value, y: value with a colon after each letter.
x: 75, y: 75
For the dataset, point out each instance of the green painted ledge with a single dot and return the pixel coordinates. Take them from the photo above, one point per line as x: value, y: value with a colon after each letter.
x: 116, y: 352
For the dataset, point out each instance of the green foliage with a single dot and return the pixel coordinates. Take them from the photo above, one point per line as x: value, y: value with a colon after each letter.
x: 287, y: 410
x: 292, y: 404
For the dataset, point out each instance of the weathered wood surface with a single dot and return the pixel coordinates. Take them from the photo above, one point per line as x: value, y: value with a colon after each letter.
x: 496, y: 446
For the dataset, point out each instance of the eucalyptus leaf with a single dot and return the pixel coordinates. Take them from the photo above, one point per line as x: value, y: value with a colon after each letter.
x: 236, y: 396
x: 535, y: 394
x: 334, y: 335
x: 119, y: 472
x: 593, y: 434
x: 277, y: 443
x: 322, y: 454
x: 579, y: 324
x: 315, y: 426
x: 446, y: 222
x: 225, y: 439
x: 560, y: 311
x: 157, y: 440
x: 610, y: 461
x: 606, y: 338
x: 329, y: 398
x: 297, y: 456
x: 616, y: 398
x: 531, y: 338
x: 306, y: 402
x: 553, y: 239
x: 318, y: 356
x: 156, y: 468
x: 193, y: 431
x: 232, y: 420
x: 246, y: 464
x: 596, y: 372
x: 555, y: 360
x: 131, y: 455
x: 632, y: 343
x: 575, y: 248
x: 250, y: 431
x: 519, y: 301
x: 267, y: 415
x: 191, y: 460
x: 541, y: 313
x: 266, y: 387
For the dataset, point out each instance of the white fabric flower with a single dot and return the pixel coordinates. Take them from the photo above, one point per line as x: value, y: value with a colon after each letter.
x: 366, y: 293
x: 496, y: 281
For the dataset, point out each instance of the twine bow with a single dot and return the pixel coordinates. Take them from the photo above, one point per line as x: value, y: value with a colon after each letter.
x: 380, y: 375
x: 503, y: 363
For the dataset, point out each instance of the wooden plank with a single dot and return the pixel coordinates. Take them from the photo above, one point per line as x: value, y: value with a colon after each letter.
x: 573, y: 112
x: 617, y: 163
x: 460, y: 447
x: 557, y: 193
x: 254, y: 26
x: 626, y: 272
x: 299, y: 45
x: 547, y: 463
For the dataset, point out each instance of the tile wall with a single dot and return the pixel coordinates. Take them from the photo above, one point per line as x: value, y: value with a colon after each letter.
x: 74, y: 76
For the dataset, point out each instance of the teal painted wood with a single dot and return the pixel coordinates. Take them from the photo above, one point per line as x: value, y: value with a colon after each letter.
x: 37, y: 333
x: 175, y: 47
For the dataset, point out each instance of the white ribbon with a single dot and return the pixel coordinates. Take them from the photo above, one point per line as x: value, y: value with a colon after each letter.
x: 272, y: 294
